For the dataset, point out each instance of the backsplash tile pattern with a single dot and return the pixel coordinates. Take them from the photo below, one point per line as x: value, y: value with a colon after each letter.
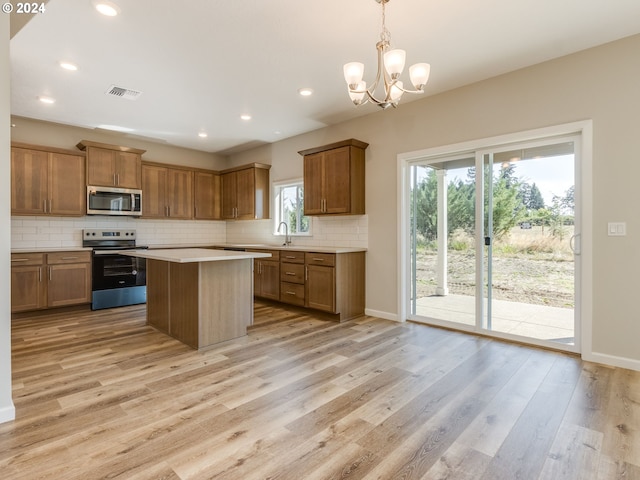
x: 61, y: 232
x: 346, y: 231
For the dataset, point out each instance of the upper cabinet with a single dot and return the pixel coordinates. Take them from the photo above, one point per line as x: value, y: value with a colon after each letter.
x: 47, y: 181
x: 207, y: 201
x: 112, y: 165
x: 334, y: 179
x: 167, y: 192
x: 245, y: 192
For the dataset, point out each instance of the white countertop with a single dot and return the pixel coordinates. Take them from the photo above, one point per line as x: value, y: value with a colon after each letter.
x: 192, y: 255
x: 51, y: 249
x: 298, y: 248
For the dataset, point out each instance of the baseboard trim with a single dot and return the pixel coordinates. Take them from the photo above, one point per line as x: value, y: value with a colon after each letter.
x: 612, y: 360
x: 7, y: 414
x: 380, y: 314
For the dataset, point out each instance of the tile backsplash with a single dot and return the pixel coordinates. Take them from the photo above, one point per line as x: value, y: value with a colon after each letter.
x: 55, y: 232
x: 345, y: 231
x: 64, y: 232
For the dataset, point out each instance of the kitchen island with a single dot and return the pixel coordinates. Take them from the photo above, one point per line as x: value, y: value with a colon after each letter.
x: 199, y: 296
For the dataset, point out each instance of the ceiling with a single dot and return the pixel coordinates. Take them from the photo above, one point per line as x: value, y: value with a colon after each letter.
x: 200, y: 64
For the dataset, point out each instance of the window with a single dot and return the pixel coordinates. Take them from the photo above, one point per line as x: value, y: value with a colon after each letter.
x: 289, y: 205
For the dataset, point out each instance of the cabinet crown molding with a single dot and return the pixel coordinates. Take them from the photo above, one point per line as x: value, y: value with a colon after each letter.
x: 352, y: 142
x: 87, y: 143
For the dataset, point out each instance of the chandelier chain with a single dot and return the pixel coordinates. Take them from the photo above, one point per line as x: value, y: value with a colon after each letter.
x: 385, y: 35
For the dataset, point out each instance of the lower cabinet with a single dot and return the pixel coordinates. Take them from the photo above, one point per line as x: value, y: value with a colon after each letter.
x: 266, y: 275
x: 47, y: 280
x: 292, y: 278
x: 330, y: 282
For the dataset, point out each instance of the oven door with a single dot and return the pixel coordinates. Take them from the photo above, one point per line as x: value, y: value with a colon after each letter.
x: 113, y: 270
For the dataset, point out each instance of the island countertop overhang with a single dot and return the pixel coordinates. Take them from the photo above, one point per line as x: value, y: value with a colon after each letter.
x: 193, y: 255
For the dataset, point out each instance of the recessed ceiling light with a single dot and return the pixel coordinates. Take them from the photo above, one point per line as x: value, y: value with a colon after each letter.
x: 277, y: 132
x: 48, y: 100
x: 202, y: 135
x: 305, y: 92
x: 106, y: 8
x: 245, y: 116
x: 68, y: 66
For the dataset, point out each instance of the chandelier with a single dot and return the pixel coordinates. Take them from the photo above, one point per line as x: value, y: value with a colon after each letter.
x: 390, y: 66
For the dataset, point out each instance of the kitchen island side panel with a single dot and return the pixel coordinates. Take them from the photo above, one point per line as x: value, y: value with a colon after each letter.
x: 226, y: 300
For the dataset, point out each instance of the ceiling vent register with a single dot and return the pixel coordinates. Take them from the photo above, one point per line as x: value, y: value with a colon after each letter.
x: 123, y: 92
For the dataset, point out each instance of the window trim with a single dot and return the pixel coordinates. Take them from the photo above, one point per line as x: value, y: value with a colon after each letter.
x: 277, y: 188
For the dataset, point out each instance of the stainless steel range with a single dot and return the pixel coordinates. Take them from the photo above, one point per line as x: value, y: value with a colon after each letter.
x: 117, y: 279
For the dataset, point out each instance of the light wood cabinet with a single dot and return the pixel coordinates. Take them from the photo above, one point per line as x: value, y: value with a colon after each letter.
x: 50, y: 280
x: 68, y: 278
x: 320, y: 286
x: 334, y: 179
x: 112, y: 165
x: 266, y: 275
x: 27, y: 286
x: 207, y: 199
x: 166, y: 192
x: 292, y: 278
x: 46, y: 181
x: 245, y: 192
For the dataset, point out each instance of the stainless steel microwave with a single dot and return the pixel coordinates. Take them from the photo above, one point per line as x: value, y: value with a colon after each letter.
x: 114, y: 201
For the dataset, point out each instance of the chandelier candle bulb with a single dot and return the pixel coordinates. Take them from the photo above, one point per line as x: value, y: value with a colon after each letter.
x: 390, y: 66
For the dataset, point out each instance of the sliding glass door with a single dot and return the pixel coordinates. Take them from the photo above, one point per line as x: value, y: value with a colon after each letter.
x: 494, y: 241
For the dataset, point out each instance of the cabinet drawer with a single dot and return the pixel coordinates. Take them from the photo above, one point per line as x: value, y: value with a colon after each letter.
x: 275, y: 254
x: 292, y: 293
x: 59, y: 258
x: 292, y: 257
x: 327, y: 259
x: 292, y: 272
x: 19, y: 259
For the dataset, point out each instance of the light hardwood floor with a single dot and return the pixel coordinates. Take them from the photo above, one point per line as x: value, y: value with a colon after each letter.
x: 102, y: 395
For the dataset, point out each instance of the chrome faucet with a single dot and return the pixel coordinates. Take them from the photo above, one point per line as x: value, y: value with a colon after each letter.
x: 287, y: 238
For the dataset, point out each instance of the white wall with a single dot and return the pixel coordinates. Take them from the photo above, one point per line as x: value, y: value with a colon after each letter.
x: 599, y: 84
x: 7, y: 410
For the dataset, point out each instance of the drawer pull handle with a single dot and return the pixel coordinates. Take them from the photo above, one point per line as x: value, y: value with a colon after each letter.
x: 316, y: 259
x: 19, y: 259
x: 69, y: 258
x: 289, y: 256
x: 290, y: 273
x: 291, y: 293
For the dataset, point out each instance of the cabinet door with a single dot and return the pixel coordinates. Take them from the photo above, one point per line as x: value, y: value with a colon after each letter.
x: 27, y: 288
x: 67, y: 187
x: 68, y: 284
x: 270, y: 278
x: 337, y: 181
x: 229, y: 194
x: 127, y: 169
x: 29, y: 181
x: 245, y: 194
x: 154, y: 185
x: 101, y: 167
x: 207, y: 196
x: 179, y: 194
x: 313, y: 180
x: 320, y: 292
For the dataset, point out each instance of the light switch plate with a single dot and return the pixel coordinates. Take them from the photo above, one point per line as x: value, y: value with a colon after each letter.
x: 617, y: 229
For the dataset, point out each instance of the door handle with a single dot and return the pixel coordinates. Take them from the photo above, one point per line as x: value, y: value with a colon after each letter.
x: 575, y: 244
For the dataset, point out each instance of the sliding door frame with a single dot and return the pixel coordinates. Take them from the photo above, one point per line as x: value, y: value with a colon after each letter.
x: 582, y: 131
